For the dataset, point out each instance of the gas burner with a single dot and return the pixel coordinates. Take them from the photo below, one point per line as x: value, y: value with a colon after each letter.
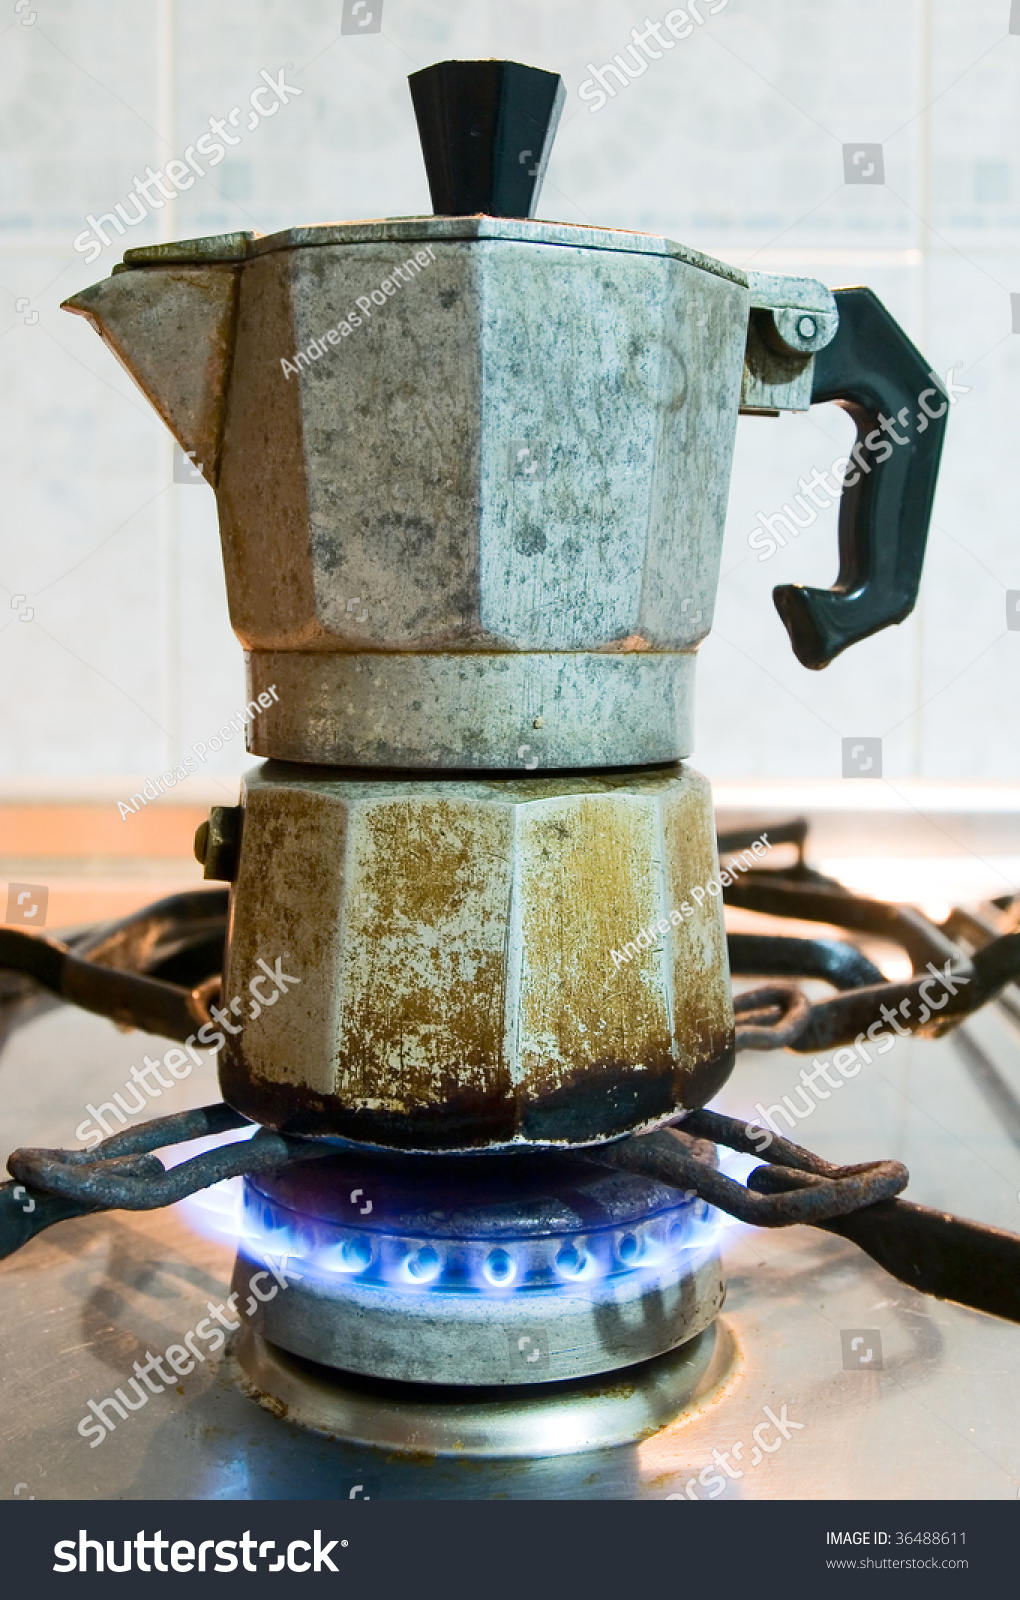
x: 472, y: 1305
x: 478, y: 1271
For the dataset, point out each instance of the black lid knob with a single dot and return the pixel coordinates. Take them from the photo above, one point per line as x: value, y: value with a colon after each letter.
x: 486, y: 129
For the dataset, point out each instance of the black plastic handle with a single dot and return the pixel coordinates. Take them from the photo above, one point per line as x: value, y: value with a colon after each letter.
x: 876, y: 374
x: 486, y: 130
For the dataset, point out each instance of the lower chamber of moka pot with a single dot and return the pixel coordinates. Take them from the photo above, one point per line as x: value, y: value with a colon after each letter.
x: 508, y: 1306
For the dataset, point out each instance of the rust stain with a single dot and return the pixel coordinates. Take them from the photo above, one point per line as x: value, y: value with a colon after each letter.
x: 702, y: 999
x: 424, y: 960
x: 592, y: 879
x: 618, y: 1391
x: 287, y: 899
x: 270, y: 1402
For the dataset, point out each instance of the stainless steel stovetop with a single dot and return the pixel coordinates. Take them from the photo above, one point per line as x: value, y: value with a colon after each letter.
x: 925, y: 1404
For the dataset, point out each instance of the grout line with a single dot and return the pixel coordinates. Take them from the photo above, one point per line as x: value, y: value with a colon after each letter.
x: 916, y: 711
x: 923, y: 238
x: 169, y: 507
x: 926, y: 108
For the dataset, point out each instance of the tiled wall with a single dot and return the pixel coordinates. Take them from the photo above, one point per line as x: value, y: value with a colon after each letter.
x: 732, y: 142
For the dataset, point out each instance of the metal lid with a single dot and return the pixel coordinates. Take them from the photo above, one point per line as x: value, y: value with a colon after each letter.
x: 238, y: 247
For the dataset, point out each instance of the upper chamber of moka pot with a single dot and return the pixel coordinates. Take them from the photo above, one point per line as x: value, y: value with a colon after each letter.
x: 471, y: 469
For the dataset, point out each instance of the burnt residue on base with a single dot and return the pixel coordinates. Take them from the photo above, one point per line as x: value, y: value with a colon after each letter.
x: 608, y: 1100
x: 464, y: 1122
x: 602, y: 1101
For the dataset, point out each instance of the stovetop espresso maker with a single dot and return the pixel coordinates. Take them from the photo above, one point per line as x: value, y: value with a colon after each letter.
x: 472, y: 473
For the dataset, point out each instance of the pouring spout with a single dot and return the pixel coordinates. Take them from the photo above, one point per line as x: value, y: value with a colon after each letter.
x: 172, y: 330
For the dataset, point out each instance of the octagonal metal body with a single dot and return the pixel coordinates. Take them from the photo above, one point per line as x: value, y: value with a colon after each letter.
x: 454, y: 944
x: 518, y: 451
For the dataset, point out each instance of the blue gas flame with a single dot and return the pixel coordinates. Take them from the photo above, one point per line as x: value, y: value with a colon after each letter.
x: 674, y: 1236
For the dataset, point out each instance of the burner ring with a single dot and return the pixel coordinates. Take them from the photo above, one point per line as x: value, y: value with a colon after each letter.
x: 557, y: 1419
x: 475, y: 1224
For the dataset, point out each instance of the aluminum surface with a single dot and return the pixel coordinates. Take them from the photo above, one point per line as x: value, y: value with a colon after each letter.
x: 393, y: 481
x: 244, y: 246
x: 520, y: 449
x: 791, y: 320
x: 492, y: 711
x: 454, y: 944
x: 455, y: 1338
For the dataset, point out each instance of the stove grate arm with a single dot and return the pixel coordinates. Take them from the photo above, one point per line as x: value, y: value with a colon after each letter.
x: 934, y: 1252
x: 122, y: 1173
x: 931, y: 1251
